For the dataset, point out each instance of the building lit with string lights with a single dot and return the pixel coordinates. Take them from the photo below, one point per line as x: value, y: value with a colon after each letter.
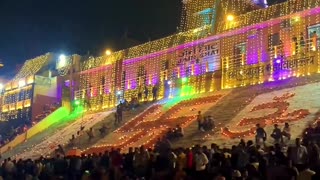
x: 221, y: 44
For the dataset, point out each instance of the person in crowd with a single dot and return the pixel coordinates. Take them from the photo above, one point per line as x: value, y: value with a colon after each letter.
x: 209, y: 124
x: 140, y: 94
x: 82, y: 127
x: 295, y: 44
x: 170, y: 134
x: 201, y: 161
x: 116, y: 163
x: 154, y: 92
x: 90, y: 134
x: 276, y: 134
x: 317, y: 128
x: 286, y: 131
x: 302, y: 43
x: 178, y: 131
x: 116, y: 118
x: 308, y: 134
x: 134, y: 102
x: 118, y: 114
x: 60, y: 150
x: 181, y: 159
x: 146, y: 93
x: 313, y: 155
x: 72, y: 140
x: 103, y: 129
x: 261, y: 135
x: 298, y: 154
x: 126, y: 104
x: 128, y: 162
x: 200, y: 121
x: 140, y: 161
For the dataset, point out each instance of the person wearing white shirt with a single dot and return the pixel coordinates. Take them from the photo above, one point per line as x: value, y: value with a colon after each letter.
x: 286, y: 131
x: 201, y: 161
x: 299, y: 154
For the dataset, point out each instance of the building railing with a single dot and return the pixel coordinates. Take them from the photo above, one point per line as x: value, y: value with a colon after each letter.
x: 280, y: 62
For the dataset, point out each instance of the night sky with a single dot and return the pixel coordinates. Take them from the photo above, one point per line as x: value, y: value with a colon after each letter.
x: 30, y: 28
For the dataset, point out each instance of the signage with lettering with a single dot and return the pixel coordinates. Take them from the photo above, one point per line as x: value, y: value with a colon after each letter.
x: 202, y: 53
x: 250, y: 72
x: 293, y: 64
x: 247, y: 73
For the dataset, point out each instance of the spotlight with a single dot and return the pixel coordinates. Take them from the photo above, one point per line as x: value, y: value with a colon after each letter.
x: 22, y: 83
x: 108, y: 52
x: 230, y: 17
x: 62, y: 61
x: 77, y: 102
x: 184, y: 79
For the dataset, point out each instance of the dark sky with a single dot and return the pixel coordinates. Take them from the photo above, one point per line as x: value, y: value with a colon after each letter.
x: 33, y: 27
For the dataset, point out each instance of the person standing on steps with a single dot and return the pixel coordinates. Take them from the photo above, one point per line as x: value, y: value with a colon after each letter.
x: 118, y: 115
x: 140, y: 94
x: 286, y: 131
x: 146, y: 93
x: 261, y: 135
x: 154, y: 93
x: 200, y: 120
x: 90, y: 134
x: 276, y: 134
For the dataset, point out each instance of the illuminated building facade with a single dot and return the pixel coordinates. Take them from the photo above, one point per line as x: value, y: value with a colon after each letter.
x: 36, y: 91
x: 222, y: 44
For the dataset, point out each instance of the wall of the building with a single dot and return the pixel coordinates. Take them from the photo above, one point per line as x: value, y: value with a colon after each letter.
x: 97, y: 88
x: 46, y: 93
x: 260, y: 53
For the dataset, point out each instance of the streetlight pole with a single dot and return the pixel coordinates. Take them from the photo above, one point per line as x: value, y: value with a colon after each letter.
x: 71, y: 79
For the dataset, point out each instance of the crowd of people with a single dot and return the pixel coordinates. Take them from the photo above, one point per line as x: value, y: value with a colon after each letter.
x: 277, y: 134
x: 244, y: 161
x: 143, y: 93
x: 11, y: 133
x: 310, y: 134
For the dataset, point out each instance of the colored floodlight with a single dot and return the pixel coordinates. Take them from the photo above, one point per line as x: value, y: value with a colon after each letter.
x: 62, y: 61
x: 184, y: 79
x: 108, y: 52
x: 77, y: 102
